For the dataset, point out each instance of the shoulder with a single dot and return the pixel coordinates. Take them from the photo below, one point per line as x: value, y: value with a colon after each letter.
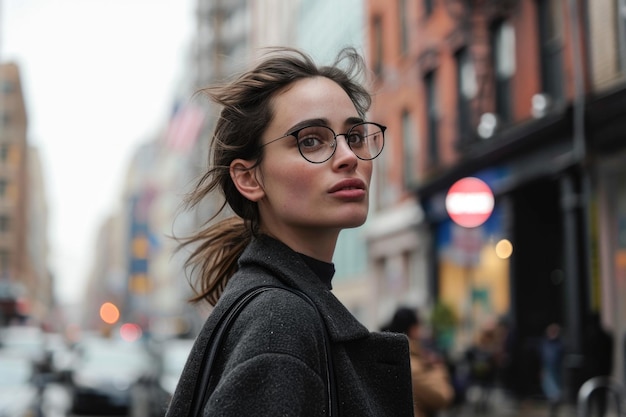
x: 280, y: 310
x: 277, y: 321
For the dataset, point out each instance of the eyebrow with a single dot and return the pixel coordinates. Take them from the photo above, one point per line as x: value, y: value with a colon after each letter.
x: 322, y: 122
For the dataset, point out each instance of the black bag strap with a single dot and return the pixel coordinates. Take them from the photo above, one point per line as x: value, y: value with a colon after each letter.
x: 201, y: 392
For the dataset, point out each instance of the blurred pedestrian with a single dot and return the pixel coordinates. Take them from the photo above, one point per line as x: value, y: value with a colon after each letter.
x: 432, y: 388
x: 482, y: 361
x: 292, y: 156
x: 507, y: 357
x: 551, y: 355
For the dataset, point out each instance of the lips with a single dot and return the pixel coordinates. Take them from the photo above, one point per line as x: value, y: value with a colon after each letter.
x: 352, y: 184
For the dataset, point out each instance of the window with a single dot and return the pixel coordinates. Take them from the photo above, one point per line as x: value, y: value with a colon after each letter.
x: 8, y: 87
x: 428, y: 7
x: 503, y: 58
x: 385, y: 193
x: 409, y: 144
x: 5, y: 118
x: 551, y: 48
x: 467, y: 87
x: 378, y: 45
x: 5, y: 223
x: 621, y: 32
x: 4, y: 152
x: 433, y: 118
x: 5, y: 259
x: 404, y: 26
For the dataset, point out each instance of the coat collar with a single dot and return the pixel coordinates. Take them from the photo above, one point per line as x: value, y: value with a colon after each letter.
x: 288, y: 267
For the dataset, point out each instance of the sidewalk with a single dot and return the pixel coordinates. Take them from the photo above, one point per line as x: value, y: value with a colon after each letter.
x: 499, y: 405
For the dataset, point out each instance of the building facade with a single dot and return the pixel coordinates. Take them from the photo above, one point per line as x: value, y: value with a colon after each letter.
x: 399, y: 56
x: 524, y: 95
x: 606, y: 143
x: 26, y: 292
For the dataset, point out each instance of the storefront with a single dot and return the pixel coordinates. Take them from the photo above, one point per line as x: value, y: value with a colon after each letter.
x: 607, y: 137
x: 527, y: 264
x: 612, y: 240
x: 473, y: 270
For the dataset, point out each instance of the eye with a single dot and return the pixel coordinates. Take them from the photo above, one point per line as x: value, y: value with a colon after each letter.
x: 356, y: 139
x: 310, y: 142
x: 313, y: 138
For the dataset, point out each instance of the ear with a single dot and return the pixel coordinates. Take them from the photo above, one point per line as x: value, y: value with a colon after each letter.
x: 243, y: 173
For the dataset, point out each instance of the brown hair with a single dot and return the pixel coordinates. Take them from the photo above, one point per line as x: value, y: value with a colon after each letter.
x: 246, y: 112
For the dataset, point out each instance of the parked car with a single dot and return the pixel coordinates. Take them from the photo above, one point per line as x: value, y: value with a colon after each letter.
x: 19, y: 394
x: 26, y: 341
x: 60, y: 355
x: 106, y: 373
x: 174, y: 355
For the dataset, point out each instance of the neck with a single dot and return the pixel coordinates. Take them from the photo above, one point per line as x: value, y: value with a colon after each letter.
x: 314, y: 243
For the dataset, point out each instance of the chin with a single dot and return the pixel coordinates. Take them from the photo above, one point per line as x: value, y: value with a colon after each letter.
x: 354, y: 221
x: 353, y: 226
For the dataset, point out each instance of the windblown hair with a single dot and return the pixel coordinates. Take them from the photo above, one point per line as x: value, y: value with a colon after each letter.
x: 246, y: 112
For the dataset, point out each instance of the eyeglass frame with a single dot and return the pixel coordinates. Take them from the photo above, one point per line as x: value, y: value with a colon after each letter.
x: 294, y: 134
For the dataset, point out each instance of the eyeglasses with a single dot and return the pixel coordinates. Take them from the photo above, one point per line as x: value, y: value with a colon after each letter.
x: 317, y: 144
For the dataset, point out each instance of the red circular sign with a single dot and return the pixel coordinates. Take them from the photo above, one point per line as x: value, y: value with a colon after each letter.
x: 469, y: 202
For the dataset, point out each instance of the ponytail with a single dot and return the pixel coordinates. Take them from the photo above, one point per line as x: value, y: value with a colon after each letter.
x: 215, y: 257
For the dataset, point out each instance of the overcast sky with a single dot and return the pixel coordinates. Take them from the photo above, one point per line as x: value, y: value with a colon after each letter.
x: 99, y: 78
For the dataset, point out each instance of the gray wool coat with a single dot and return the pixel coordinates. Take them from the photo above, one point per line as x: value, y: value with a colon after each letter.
x: 272, y: 360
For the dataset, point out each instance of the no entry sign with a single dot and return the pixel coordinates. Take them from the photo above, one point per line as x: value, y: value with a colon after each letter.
x: 469, y: 202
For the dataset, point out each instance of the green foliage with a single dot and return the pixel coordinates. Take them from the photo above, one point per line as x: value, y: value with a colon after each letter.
x: 443, y: 321
x: 443, y: 318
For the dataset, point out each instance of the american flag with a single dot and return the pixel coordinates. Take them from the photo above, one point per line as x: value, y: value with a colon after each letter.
x: 184, y: 128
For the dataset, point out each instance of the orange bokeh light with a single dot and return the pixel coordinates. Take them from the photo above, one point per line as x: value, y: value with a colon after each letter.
x: 109, y: 313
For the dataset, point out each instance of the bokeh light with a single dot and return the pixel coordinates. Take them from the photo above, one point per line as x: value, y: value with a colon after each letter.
x: 130, y: 332
x: 504, y: 249
x: 109, y: 313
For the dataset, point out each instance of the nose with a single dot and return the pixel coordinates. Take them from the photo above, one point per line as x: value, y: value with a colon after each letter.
x: 343, y: 153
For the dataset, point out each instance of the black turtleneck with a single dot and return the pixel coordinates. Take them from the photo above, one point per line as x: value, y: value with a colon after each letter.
x: 324, y: 270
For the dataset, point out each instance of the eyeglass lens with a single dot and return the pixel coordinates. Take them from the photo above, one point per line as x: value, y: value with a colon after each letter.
x: 317, y: 143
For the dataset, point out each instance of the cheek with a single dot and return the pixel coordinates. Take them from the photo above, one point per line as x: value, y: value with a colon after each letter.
x: 290, y: 183
x: 367, y: 170
x: 294, y: 187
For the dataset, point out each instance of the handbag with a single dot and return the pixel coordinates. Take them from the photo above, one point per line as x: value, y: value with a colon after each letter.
x: 201, y: 393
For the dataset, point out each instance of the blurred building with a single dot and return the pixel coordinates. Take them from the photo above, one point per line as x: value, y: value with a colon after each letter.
x: 42, y: 295
x: 604, y: 134
x: 137, y: 267
x: 397, y: 240
x: 525, y: 95
x: 25, y: 281
x: 222, y: 44
x: 107, y: 277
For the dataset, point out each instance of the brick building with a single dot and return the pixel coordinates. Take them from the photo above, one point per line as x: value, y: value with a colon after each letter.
x: 526, y: 96
x: 25, y: 282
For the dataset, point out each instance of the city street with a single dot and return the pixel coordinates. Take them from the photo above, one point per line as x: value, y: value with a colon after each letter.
x: 502, y: 406
x: 56, y: 402
x: 460, y: 161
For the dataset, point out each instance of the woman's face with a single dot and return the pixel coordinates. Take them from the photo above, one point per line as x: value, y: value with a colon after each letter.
x: 305, y: 199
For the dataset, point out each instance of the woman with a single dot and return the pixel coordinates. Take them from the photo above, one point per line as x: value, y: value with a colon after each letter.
x: 292, y: 155
x: 432, y: 388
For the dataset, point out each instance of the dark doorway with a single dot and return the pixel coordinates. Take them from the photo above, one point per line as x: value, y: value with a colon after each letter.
x: 537, y: 276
